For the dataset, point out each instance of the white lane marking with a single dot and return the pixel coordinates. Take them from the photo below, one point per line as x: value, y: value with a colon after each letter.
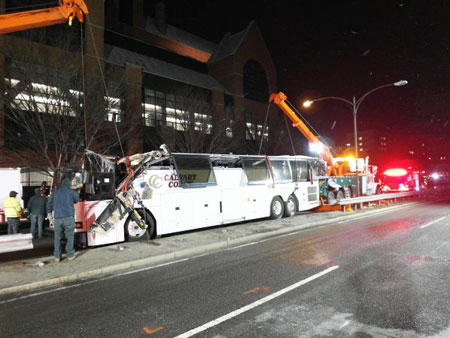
x: 435, y: 221
x: 254, y: 304
x: 151, y: 267
x: 241, y: 246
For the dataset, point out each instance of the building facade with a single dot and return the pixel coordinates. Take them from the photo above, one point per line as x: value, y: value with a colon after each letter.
x: 157, y: 84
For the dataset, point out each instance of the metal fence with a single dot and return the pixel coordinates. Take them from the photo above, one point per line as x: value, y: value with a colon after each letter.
x: 380, y: 199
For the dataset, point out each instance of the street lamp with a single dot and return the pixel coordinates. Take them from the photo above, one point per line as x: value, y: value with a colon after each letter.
x: 355, y: 103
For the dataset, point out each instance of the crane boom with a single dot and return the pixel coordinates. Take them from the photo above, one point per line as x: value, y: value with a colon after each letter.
x: 280, y: 100
x: 66, y: 11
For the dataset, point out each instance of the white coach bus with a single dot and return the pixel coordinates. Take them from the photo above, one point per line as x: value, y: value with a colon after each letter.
x: 179, y: 192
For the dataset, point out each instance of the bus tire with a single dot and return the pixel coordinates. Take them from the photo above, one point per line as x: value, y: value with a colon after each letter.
x: 134, y: 233
x: 331, y: 197
x: 290, y: 207
x: 276, y: 208
x: 339, y: 196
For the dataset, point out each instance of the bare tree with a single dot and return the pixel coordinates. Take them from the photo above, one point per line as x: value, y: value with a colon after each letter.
x: 266, y: 134
x: 47, y: 122
x: 193, y: 127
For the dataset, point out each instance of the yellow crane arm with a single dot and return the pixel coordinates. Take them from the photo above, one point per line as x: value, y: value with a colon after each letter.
x: 65, y: 12
x: 280, y: 100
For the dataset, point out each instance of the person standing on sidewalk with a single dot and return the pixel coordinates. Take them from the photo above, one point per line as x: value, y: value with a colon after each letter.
x: 13, y: 210
x: 61, y: 202
x: 36, y: 207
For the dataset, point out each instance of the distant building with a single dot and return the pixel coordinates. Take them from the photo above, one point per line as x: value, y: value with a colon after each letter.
x: 428, y: 151
x: 373, y: 143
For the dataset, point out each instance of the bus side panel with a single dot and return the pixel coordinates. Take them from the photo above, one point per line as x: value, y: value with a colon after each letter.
x: 87, y: 212
x: 176, y: 211
x: 189, y: 208
x: 233, y: 207
x: 257, y: 201
x: 100, y: 237
x: 206, y: 206
x: 176, y: 208
x: 229, y: 181
x: 307, y: 196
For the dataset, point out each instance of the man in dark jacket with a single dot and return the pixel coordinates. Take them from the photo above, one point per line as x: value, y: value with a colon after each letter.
x: 61, y: 202
x: 36, y: 207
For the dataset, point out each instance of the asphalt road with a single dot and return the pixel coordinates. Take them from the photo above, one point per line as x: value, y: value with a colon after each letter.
x: 376, y: 276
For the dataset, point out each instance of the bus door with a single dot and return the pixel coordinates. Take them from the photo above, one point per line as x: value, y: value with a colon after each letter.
x: 258, y: 192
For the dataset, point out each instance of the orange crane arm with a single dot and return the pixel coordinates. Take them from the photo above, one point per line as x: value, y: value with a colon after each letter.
x: 66, y: 11
x: 280, y: 100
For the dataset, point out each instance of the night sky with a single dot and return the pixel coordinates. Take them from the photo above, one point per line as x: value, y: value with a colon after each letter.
x: 345, y: 48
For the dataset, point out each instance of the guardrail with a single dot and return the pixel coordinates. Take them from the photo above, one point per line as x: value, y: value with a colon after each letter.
x: 16, y: 242
x: 355, y: 201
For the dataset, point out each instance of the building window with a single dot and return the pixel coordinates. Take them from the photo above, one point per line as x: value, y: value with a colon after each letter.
x: 255, y: 82
x: 41, y: 98
x: 229, y: 114
x: 180, y: 112
x: 254, y: 130
x: 152, y: 114
x: 114, y: 111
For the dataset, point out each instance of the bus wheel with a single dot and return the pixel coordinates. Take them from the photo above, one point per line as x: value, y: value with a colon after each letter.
x: 290, y: 207
x: 133, y: 231
x: 276, y: 208
x: 331, y: 198
x: 339, y: 196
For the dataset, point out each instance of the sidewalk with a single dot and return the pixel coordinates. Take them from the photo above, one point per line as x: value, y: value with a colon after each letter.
x: 40, y: 272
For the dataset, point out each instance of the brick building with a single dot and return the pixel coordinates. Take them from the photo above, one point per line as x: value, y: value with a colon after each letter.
x: 158, y: 70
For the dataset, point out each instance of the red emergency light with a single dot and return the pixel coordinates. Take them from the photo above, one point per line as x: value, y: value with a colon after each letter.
x: 396, y: 172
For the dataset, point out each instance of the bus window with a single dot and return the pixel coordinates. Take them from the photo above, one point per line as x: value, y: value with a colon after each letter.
x: 281, y: 171
x: 194, y: 170
x: 299, y: 170
x: 256, y: 169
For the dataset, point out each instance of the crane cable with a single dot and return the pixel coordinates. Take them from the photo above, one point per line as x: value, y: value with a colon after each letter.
x: 84, y: 87
x: 104, y: 83
x: 264, y: 129
x: 289, y: 133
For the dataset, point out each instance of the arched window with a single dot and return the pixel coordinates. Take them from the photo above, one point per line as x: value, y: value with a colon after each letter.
x: 255, y: 82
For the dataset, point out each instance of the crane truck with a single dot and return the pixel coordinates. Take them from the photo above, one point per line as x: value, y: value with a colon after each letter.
x: 341, y: 176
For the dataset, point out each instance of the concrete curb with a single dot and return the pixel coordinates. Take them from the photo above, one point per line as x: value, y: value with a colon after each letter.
x: 230, y: 242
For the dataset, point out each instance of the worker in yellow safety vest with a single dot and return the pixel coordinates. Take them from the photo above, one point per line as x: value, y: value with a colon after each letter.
x: 13, y: 210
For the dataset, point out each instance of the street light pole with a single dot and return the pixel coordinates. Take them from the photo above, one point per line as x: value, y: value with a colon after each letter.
x: 355, y: 106
x: 355, y: 134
